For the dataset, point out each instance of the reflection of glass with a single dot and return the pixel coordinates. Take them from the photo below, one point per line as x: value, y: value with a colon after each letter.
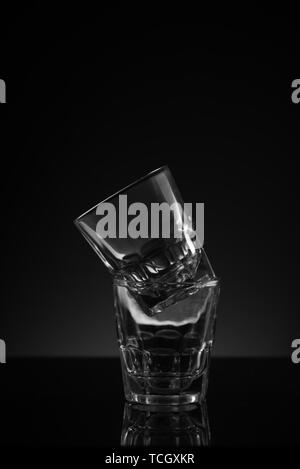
x: 165, y: 294
x: 165, y: 426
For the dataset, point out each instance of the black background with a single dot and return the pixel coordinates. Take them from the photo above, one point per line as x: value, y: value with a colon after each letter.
x: 98, y: 99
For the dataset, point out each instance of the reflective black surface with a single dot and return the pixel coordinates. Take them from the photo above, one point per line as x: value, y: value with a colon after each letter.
x: 79, y: 402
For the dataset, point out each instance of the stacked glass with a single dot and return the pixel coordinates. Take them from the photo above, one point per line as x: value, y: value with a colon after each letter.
x: 165, y: 290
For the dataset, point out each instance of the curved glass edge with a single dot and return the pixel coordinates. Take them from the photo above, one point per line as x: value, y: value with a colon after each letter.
x: 126, y: 188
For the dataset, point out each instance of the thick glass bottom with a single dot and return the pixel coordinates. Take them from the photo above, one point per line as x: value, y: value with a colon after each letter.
x: 166, y: 390
x: 159, y: 400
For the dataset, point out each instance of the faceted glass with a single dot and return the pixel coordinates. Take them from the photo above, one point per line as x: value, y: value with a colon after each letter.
x: 165, y: 334
x: 165, y: 294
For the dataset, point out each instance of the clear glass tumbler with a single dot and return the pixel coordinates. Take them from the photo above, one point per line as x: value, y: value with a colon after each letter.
x: 165, y: 290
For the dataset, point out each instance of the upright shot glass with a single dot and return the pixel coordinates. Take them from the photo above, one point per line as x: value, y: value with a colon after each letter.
x: 165, y: 290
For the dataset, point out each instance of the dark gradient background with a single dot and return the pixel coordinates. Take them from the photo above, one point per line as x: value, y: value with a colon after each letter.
x: 98, y: 100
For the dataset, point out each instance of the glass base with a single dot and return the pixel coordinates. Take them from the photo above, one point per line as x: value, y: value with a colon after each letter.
x: 166, y: 391
x: 158, y: 400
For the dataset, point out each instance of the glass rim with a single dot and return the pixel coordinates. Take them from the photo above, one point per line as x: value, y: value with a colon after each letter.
x: 213, y: 281
x: 126, y: 188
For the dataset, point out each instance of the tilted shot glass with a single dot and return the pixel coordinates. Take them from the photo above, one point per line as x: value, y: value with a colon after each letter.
x: 165, y: 290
